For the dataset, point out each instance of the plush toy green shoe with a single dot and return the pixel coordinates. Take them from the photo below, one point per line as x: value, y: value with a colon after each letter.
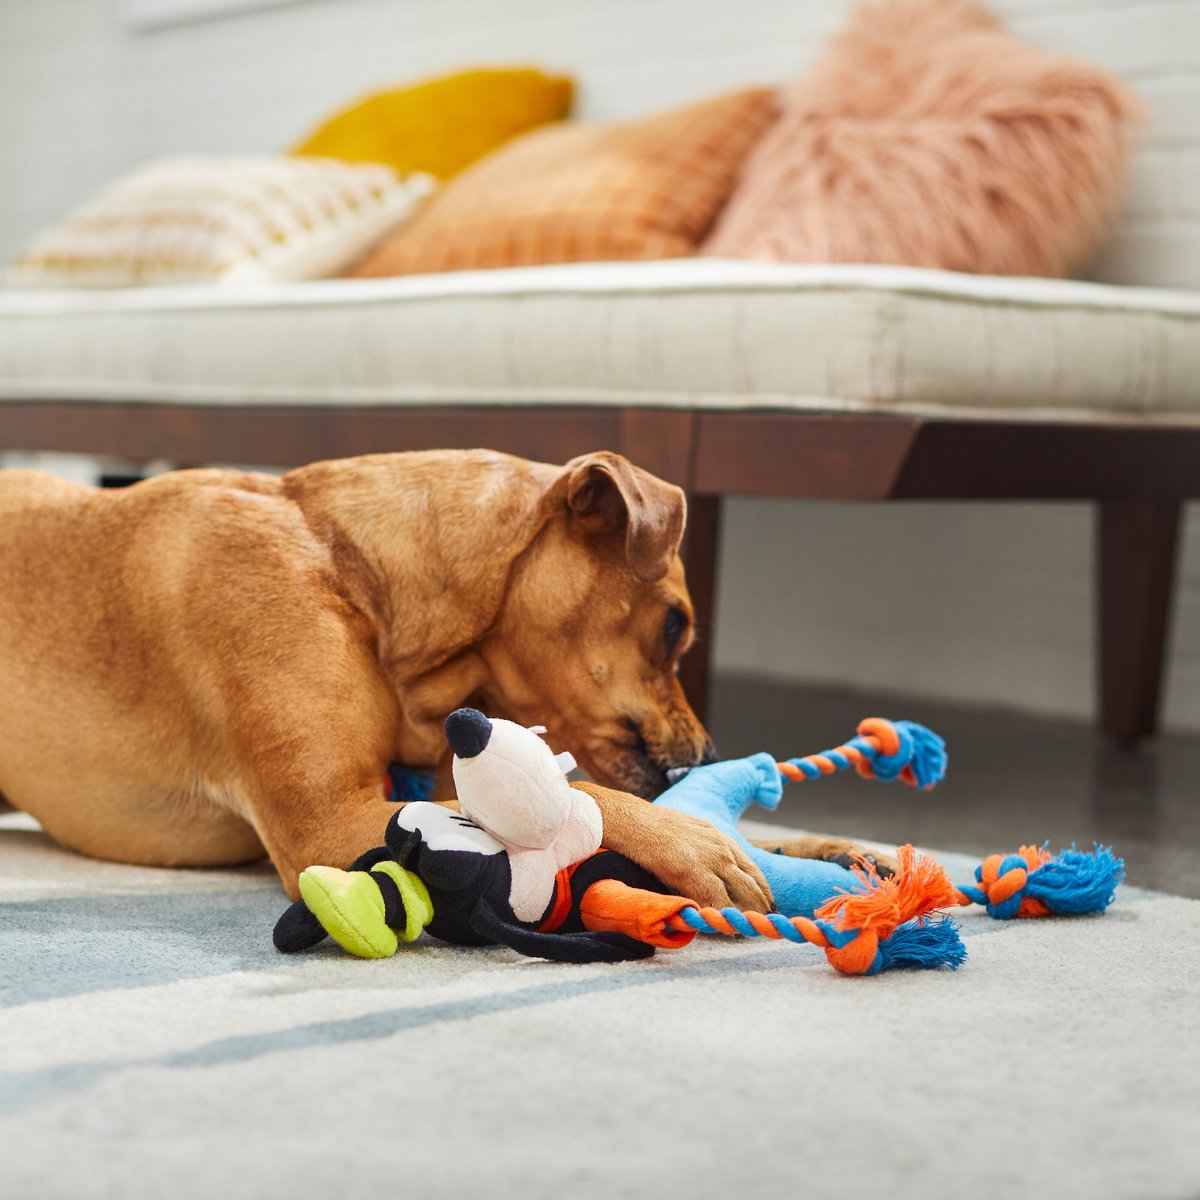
x: 366, y: 910
x: 350, y: 908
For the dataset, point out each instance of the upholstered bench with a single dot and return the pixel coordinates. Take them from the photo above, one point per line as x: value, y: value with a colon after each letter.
x: 730, y: 378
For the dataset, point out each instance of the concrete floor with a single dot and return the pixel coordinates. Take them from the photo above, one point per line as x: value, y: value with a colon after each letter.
x: 1012, y: 779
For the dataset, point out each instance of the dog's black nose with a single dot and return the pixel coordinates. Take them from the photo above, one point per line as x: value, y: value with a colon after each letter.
x: 467, y: 731
x: 709, y: 755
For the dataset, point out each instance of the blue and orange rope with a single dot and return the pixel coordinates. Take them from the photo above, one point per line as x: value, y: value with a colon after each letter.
x: 883, y: 750
x: 889, y: 923
x: 1035, y: 883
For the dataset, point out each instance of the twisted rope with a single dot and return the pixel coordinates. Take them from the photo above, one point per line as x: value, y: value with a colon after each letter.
x: 853, y: 952
x: 883, y: 750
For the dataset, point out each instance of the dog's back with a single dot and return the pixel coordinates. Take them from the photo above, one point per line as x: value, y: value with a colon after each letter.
x: 92, y: 712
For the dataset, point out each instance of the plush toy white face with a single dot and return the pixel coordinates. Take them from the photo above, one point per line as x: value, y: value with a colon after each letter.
x: 443, y: 829
x: 513, y: 785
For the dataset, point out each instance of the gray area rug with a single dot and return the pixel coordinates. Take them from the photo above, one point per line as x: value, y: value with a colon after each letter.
x: 153, y: 1044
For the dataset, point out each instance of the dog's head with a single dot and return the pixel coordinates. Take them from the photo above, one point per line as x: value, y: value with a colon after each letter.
x: 593, y: 624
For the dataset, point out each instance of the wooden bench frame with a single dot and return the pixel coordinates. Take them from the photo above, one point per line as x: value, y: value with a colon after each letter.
x: 1136, y: 476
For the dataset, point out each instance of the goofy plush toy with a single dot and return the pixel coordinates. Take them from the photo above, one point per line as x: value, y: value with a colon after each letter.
x: 520, y: 866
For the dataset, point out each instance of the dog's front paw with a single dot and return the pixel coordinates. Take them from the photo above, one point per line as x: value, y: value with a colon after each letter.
x: 841, y: 851
x: 688, y: 854
x: 881, y: 864
x: 850, y: 854
x: 696, y: 860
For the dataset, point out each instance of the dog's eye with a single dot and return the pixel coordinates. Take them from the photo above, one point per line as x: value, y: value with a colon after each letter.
x: 676, y: 623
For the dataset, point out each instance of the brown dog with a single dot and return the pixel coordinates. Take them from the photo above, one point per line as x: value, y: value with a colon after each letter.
x: 213, y: 663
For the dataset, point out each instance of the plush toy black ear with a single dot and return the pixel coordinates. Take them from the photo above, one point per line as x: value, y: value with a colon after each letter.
x: 442, y: 870
x: 557, y: 947
x: 401, y: 842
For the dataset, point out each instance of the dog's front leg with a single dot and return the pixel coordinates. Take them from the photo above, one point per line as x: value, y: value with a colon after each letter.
x: 689, y: 855
x: 325, y: 822
x: 331, y: 807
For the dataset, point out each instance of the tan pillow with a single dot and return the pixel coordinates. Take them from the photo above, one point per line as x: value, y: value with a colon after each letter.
x: 574, y: 193
x: 929, y: 136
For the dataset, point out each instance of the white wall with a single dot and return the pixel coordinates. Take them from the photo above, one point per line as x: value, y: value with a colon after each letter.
x: 972, y: 601
x: 976, y: 602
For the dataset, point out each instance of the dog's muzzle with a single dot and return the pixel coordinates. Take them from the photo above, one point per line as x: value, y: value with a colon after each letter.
x: 710, y: 755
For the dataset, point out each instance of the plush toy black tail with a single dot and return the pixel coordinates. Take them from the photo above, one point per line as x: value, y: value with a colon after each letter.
x: 297, y: 930
x: 557, y: 947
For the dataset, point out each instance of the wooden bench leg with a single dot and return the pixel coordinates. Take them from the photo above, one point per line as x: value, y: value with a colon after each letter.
x: 1136, y: 545
x: 700, y: 554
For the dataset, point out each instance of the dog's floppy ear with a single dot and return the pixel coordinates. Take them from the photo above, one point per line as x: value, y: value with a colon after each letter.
x: 605, y: 493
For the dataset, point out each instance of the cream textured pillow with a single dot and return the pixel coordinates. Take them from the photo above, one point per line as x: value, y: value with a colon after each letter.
x: 223, y: 220
x: 929, y: 136
x: 583, y: 193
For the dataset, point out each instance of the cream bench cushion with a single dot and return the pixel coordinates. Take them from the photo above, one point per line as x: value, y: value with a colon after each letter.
x: 696, y: 333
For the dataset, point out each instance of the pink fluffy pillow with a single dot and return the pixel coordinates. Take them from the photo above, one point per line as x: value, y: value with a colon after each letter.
x: 928, y: 136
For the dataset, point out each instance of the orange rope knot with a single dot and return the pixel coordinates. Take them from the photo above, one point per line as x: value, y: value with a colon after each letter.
x: 919, y: 886
x: 1001, y: 880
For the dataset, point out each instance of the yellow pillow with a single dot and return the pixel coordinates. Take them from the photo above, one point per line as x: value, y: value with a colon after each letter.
x: 442, y: 125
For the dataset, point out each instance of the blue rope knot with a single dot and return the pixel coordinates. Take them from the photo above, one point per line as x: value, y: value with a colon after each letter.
x: 1004, y: 910
x: 920, y: 749
x: 1010, y: 907
x: 888, y: 766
